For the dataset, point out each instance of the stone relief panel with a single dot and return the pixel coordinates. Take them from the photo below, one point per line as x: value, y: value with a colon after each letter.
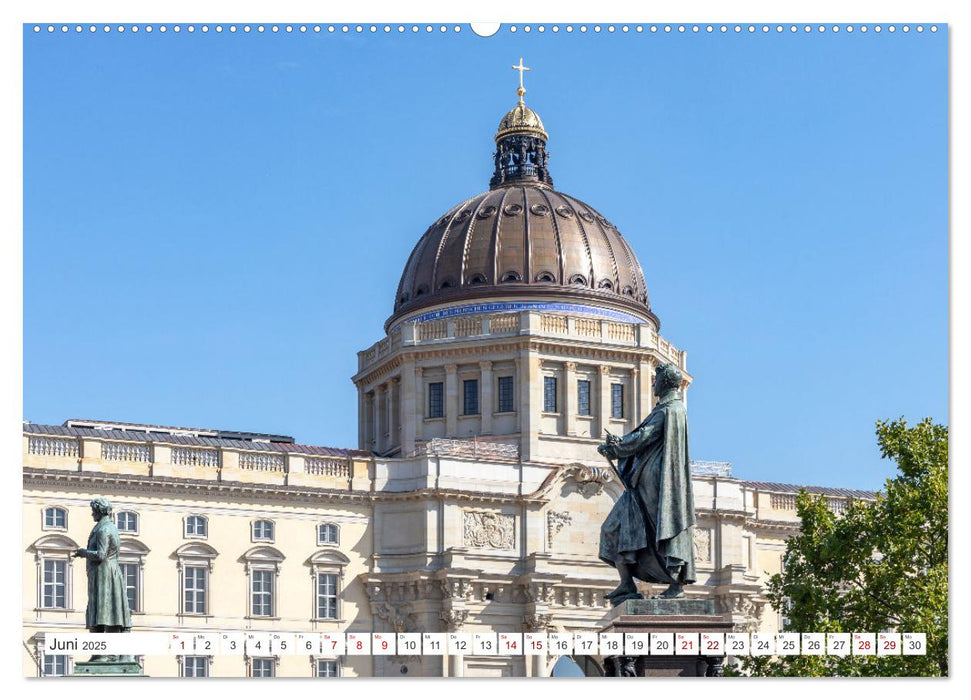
x: 702, y: 537
x: 489, y: 530
x: 575, y: 513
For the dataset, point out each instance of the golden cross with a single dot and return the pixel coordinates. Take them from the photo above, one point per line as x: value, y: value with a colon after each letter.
x: 521, y: 68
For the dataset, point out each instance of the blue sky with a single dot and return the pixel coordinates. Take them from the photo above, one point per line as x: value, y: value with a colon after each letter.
x: 215, y: 224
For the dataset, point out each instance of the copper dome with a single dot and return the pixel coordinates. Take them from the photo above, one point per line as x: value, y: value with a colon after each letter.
x: 522, y: 241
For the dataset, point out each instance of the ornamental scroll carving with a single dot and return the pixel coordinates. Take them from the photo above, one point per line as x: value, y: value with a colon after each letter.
x: 554, y: 523
x: 591, y: 480
x: 488, y: 529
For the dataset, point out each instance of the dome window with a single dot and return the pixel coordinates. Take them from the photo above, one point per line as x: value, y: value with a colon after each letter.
x: 579, y: 280
x: 477, y: 279
x: 404, y: 298
x: 423, y: 289
x: 606, y: 285
x: 545, y: 277
x: 628, y: 291
x: 512, y: 276
x: 447, y: 284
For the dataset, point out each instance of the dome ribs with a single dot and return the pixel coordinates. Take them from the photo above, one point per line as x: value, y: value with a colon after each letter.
x: 435, y: 282
x: 607, y: 246
x: 560, y: 272
x: 496, y: 238
x: 582, y: 231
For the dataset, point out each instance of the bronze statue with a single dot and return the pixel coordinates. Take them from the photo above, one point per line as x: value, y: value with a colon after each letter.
x: 648, y: 533
x: 107, y: 609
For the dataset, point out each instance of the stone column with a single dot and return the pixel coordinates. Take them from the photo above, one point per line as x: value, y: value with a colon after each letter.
x: 630, y: 400
x: 647, y: 387
x: 530, y: 384
x: 570, y: 394
x: 369, y: 432
x: 378, y: 422
x: 605, y: 400
x: 362, y: 408
x: 451, y: 401
x: 486, y: 404
x: 419, y: 415
x: 390, y: 405
x: 406, y: 413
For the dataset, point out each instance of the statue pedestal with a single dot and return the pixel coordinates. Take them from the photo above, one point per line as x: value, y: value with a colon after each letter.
x: 103, y: 668
x: 665, y: 615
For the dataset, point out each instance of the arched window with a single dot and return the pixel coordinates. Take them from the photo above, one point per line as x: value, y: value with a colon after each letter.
x: 196, y: 526
x: 512, y: 276
x: 194, y: 561
x: 328, y: 533
x: 545, y: 277
x: 54, y: 555
x: 606, y: 284
x: 55, y: 518
x: 131, y: 561
x: 262, y: 530
x: 127, y: 522
x: 477, y: 278
x: 327, y: 570
x: 579, y: 280
x: 263, y: 574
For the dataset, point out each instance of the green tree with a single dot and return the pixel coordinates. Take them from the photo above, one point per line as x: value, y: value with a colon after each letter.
x: 881, y: 566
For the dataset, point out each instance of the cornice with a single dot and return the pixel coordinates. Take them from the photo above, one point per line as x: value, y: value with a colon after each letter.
x: 135, y: 483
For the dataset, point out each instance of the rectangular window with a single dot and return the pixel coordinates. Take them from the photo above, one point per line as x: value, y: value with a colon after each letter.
x: 129, y: 572
x: 470, y: 394
x: 549, y: 394
x: 55, y: 518
x: 326, y: 596
x: 262, y: 593
x: 505, y: 395
x: 583, y: 397
x: 436, y: 400
x: 263, y: 668
x: 195, y: 590
x: 327, y: 668
x: 617, y: 400
x: 55, y: 584
x: 55, y: 664
x: 195, y: 667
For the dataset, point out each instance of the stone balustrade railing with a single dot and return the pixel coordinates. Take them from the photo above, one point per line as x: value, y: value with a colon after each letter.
x: 157, y: 457
x: 519, y: 322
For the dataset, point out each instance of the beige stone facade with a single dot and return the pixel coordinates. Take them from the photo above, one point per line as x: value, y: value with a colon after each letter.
x: 464, y: 535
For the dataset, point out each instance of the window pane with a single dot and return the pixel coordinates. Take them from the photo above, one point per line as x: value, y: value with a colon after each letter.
x: 617, y: 400
x: 549, y: 394
x: 583, y: 397
x: 262, y: 668
x: 326, y: 669
x: 54, y: 592
x: 327, y: 596
x: 327, y: 533
x: 505, y: 395
x: 195, y: 667
x: 55, y: 517
x: 436, y: 401
x: 55, y: 665
x: 195, y: 590
x: 129, y: 571
x: 262, y: 593
x: 470, y: 392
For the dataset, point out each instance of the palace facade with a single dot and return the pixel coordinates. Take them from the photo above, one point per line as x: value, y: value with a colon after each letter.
x: 521, y: 334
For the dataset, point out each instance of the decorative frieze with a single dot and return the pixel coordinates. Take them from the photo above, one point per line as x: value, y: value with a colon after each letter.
x: 262, y: 461
x: 454, y: 619
x: 538, y: 622
x: 469, y: 448
x: 486, y: 529
x: 188, y: 456
x: 125, y: 452
x: 52, y: 447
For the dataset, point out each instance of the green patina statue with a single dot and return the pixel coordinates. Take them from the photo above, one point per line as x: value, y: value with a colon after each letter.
x: 107, y: 609
x: 648, y: 533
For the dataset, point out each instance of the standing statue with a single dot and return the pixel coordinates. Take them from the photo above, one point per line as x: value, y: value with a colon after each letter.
x: 108, y: 609
x: 648, y: 533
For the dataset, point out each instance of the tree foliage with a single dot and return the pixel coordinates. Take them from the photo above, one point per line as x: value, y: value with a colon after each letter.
x: 881, y: 566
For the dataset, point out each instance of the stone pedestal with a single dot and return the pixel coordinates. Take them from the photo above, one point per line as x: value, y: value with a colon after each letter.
x: 105, y: 667
x: 665, y: 615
